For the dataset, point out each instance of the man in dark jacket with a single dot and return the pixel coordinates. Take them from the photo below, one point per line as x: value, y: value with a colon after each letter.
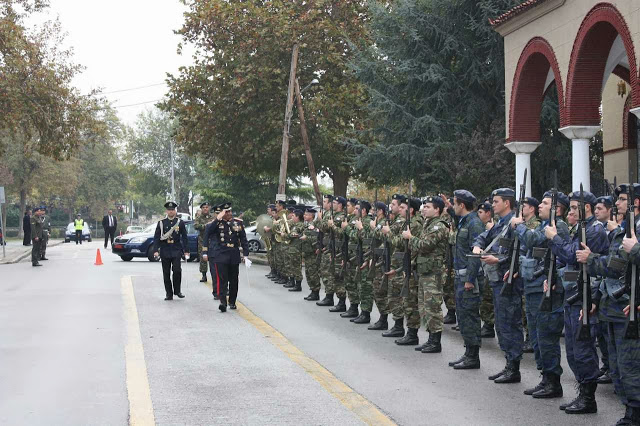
x: 225, y: 237
x: 26, y: 228
x: 109, y: 224
x: 170, y: 243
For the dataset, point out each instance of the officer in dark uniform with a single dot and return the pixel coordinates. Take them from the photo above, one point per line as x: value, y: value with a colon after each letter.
x: 171, y: 240
x: 226, y: 237
x: 212, y: 251
x: 36, y: 235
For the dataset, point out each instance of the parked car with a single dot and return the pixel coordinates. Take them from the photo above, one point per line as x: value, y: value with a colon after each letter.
x: 134, y: 229
x: 256, y: 244
x: 70, y: 233
x: 140, y: 244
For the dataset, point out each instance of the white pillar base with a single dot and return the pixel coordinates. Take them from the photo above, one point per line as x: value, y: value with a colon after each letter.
x: 523, y: 151
x: 580, y: 161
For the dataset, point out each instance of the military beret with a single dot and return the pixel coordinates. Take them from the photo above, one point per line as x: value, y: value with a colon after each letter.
x: 292, y: 202
x: 606, y: 200
x: 401, y: 198
x: 311, y: 210
x: 464, y: 195
x: 206, y: 203
x: 624, y: 188
x: 169, y: 205
x: 353, y: 201
x: 532, y: 201
x: 504, y: 192
x: 436, y: 201
x: 281, y: 202
x: 36, y: 208
x: 365, y: 205
x: 415, y: 204
x: 328, y: 197
x: 589, y: 198
x: 298, y: 212
x: 225, y: 206
x: 291, y: 208
x: 485, y: 205
x: 563, y: 199
x: 271, y: 206
x: 381, y: 206
x: 341, y: 200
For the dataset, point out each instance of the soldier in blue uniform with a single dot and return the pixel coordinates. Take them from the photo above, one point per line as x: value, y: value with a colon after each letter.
x: 581, y: 355
x: 170, y: 240
x: 226, y: 237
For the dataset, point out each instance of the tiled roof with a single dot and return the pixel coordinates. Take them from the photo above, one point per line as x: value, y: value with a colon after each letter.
x: 523, y: 7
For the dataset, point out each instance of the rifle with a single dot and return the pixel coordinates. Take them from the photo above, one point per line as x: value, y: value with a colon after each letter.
x: 374, y: 245
x: 407, y: 251
x: 332, y: 246
x: 584, y: 283
x: 386, y: 255
x: 550, y: 258
x: 631, y: 276
x: 345, y: 255
x: 507, y: 287
x: 614, y: 208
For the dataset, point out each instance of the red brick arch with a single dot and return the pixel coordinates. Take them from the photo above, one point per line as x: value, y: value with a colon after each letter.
x: 527, y: 91
x: 589, y: 56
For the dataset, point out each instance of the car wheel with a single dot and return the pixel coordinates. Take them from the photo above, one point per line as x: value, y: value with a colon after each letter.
x: 126, y: 258
x: 254, y: 246
x: 150, y: 255
x: 89, y: 240
x: 66, y: 240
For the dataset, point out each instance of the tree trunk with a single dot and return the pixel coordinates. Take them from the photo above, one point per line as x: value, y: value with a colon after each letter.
x: 340, y: 181
x: 23, y: 206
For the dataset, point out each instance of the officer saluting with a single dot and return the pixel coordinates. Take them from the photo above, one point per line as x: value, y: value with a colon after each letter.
x: 225, y: 236
x: 171, y: 239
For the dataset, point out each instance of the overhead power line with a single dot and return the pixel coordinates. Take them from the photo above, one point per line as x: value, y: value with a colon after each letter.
x: 136, y: 104
x: 133, y: 88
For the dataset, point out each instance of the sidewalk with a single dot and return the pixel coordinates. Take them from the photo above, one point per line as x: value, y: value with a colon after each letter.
x: 15, y: 251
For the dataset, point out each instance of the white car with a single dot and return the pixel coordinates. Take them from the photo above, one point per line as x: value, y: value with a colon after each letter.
x: 70, y: 233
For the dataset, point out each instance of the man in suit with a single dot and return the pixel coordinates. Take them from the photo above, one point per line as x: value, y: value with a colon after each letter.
x: 26, y: 228
x: 109, y: 223
x: 171, y: 244
x: 225, y: 236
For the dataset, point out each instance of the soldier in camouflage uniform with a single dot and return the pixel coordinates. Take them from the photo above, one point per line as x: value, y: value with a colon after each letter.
x: 311, y: 254
x: 449, y: 284
x: 376, y: 274
x: 278, y: 247
x: 399, y: 204
x: 295, y: 249
x: 430, y: 245
x: 360, y: 235
x: 271, y: 209
x: 326, y: 271
x: 46, y: 232
x: 336, y: 223
x: 410, y: 304
x: 287, y: 252
x: 351, y: 274
x: 201, y: 222
x: 486, y: 306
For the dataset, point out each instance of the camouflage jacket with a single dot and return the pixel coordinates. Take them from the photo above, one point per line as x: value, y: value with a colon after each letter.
x: 296, y: 230
x: 201, y: 223
x: 431, y: 245
x: 310, y: 232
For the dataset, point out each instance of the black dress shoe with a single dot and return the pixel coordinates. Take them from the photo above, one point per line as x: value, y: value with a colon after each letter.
x: 232, y: 306
x: 180, y: 295
x: 456, y: 328
x: 168, y: 297
x: 222, y: 307
x: 43, y: 258
x: 204, y: 278
x: 36, y: 264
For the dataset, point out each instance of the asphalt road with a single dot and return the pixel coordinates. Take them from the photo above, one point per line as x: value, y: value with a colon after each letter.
x: 71, y: 329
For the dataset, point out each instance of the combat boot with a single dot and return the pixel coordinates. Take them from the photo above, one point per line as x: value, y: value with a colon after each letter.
x: 500, y: 373
x: 291, y: 282
x: 459, y: 360
x: 605, y: 378
x: 341, y: 306
x: 472, y: 361
x: 381, y: 324
x: 537, y: 387
x: 433, y: 345
x: 409, y: 339
x: 576, y: 386
x: 270, y: 274
x: 204, y: 278
x: 352, y: 312
x: 327, y: 301
x: 511, y: 375
x: 276, y: 276
x: 488, y: 331
x: 283, y: 280
x: 364, y: 318
x: 586, y: 402
x: 397, y: 330
x: 314, y: 295
x: 552, y: 388
x: 297, y: 287
x: 450, y: 318
x: 631, y: 417
x: 527, y: 348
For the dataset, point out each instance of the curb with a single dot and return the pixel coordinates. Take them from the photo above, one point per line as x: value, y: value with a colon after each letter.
x: 259, y: 259
x: 23, y: 256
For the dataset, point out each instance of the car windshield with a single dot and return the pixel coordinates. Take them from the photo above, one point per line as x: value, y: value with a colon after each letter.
x: 150, y: 229
x: 191, y: 229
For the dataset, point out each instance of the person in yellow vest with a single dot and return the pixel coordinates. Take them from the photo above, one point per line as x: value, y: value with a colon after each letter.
x: 79, y: 224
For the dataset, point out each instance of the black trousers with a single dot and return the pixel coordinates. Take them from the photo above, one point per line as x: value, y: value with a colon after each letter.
x: 167, y: 264
x: 78, y: 236
x: 35, y: 251
x: 109, y: 233
x: 27, y: 238
x: 227, y: 282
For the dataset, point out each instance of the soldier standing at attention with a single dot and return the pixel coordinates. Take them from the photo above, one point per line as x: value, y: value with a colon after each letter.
x: 335, y: 223
x: 170, y: 243
x: 468, y: 289
x: 227, y: 237
x: 486, y: 306
x: 295, y: 249
x: 326, y: 275
x: 46, y: 232
x: 362, y: 235
x: 375, y: 270
x: 311, y: 255
x: 36, y: 236
x: 201, y: 222
x: 269, y: 244
x: 351, y: 274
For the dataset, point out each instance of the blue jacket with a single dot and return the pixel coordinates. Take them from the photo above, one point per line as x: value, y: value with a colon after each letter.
x: 174, y: 246
x: 223, y: 241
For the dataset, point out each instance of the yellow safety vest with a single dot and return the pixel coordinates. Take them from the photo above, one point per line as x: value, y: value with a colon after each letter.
x: 79, y: 224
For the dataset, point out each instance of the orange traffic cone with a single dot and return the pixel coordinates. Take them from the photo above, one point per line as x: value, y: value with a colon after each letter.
x: 98, y: 258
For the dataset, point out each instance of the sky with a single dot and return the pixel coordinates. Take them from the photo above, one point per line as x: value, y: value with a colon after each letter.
x: 123, y: 45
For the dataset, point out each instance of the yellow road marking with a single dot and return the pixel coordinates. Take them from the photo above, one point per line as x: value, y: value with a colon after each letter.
x: 359, y: 405
x: 140, y: 406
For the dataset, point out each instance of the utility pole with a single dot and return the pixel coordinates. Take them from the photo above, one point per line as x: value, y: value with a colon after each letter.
x: 284, y: 157
x: 173, y: 187
x: 307, y: 148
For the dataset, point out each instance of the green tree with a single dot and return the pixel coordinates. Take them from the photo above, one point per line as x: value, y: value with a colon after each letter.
x: 230, y: 103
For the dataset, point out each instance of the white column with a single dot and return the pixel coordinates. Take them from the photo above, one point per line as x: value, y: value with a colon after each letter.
x: 580, y: 161
x: 523, y: 151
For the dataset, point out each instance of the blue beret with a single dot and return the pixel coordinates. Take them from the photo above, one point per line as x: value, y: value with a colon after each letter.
x: 328, y: 197
x: 436, y: 201
x: 381, y: 206
x: 291, y: 202
x: 589, y: 198
x: 353, y: 201
x: 170, y: 205
x: 365, y: 205
x: 401, y: 198
x: 533, y: 202
x: 464, y: 195
x: 623, y: 188
x: 298, y: 212
x: 606, y: 200
x: 563, y: 200
x: 311, y: 210
x: 485, y: 205
x: 206, y: 203
x: 341, y: 200
x: 271, y: 206
x: 504, y: 192
x: 415, y: 204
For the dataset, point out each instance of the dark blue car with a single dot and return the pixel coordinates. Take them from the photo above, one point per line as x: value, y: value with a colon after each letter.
x: 140, y: 244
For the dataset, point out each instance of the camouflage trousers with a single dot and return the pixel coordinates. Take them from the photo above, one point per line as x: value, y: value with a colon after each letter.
x: 204, y: 264
x: 430, y: 290
x: 270, y: 258
x: 365, y: 290
x: 545, y: 329
x: 394, y: 299
x: 624, y: 364
x: 351, y: 279
x: 486, y: 305
x: 43, y: 244
x: 380, y: 286
x: 312, y: 270
x: 449, y: 293
x: 468, y: 312
x: 294, y: 261
x: 411, y: 303
x: 331, y: 284
x: 279, y: 257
